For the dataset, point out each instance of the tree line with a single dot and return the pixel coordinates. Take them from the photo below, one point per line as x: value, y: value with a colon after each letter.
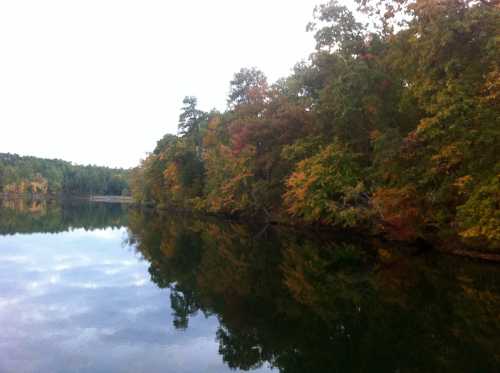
x: 26, y: 174
x: 391, y: 125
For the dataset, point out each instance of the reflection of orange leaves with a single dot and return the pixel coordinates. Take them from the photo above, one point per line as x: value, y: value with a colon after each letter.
x: 294, y: 270
x: 224, y: 268
x: 168, y: 248
x: 297, y: 284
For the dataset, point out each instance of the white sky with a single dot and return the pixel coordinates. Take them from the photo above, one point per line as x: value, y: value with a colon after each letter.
x: 100, y: 81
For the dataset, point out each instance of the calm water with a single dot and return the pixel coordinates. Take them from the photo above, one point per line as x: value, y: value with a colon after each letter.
x: 99, y: 288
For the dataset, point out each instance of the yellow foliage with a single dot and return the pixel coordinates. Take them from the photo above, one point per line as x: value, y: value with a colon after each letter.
x: 479, y: 217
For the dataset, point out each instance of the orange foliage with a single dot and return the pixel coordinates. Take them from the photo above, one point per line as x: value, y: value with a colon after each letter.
x: 399, y: 212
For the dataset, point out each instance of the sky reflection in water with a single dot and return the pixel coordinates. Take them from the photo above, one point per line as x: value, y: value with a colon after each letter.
x: 82, y: 300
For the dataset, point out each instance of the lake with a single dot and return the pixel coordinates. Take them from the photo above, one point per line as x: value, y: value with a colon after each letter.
x: 95, y: 287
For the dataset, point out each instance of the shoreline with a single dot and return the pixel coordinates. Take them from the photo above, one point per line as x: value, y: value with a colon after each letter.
x: 450, y: 249
x: 91, y: 198
x: 454, y: 249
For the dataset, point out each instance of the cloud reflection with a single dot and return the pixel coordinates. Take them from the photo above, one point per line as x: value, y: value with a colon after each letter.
x: 79, y: 301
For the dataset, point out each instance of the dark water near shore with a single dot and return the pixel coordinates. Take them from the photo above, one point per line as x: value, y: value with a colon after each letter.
x: 94, y: 287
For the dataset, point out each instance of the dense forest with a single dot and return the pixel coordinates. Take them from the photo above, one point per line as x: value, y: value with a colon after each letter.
x: 52, y: 176
x: 391, y: 126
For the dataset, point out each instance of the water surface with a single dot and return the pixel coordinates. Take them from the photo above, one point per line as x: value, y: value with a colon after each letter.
x: 89, y: 287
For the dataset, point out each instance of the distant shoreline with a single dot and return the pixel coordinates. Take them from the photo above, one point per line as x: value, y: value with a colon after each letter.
x: 92, y: 198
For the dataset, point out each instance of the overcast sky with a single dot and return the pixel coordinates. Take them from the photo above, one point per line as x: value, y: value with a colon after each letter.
x: 100, y: 81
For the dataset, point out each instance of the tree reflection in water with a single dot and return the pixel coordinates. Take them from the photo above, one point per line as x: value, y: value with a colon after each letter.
x: 22, y: 215
x: 305, y: 303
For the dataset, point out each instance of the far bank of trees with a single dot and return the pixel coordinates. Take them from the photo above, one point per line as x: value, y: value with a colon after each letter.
x: 392, y: 126
x: 52, y: 176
